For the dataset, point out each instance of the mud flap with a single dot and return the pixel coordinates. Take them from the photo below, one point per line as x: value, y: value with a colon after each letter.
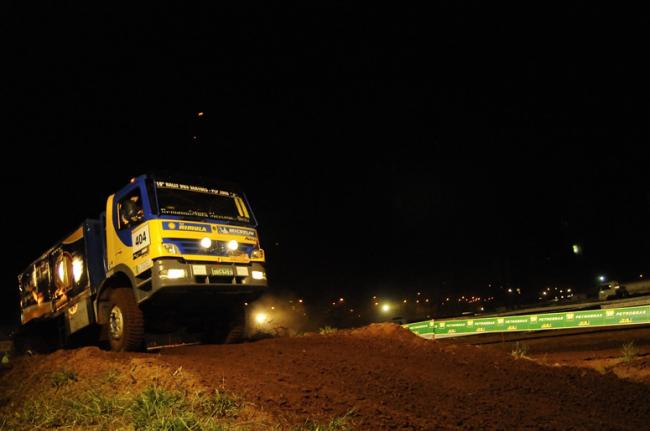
x: 78, y: 316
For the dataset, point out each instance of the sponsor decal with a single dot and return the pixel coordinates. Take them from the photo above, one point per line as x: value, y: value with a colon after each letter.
x: 548, y: 318
x: 631, y: 313
x: 193, y: 188
x: 515, y: 320
x: 187, y: 227
x: 228, y: 230
x: 486, y: 322
x: 142, y: 267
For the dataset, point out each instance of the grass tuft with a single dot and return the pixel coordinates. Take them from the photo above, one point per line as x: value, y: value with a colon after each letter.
x: 327, y: 330
x: 61, y: 378
x: 341, y: 423
x: 161, y: 410
x: 629, y: 351
x: 154, y: 409
x: 519, y: 351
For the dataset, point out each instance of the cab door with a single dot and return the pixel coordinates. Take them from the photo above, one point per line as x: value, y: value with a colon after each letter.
x: 126, y: 212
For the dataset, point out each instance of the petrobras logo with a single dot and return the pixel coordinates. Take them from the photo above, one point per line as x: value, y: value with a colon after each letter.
x: 187, y: 227
x: 228, y: 230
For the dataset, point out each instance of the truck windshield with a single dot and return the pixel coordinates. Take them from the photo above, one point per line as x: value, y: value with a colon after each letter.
x: 186, y: 200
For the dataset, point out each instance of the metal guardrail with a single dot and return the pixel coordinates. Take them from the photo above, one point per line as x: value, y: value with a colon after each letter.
x: 532, y: 322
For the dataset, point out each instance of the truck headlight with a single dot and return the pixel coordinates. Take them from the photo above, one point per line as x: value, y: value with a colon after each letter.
x: 258, y: 275
x: 206, y: 242
x: 172, y: 273
x: 171, y: 248
x: 233, y: 245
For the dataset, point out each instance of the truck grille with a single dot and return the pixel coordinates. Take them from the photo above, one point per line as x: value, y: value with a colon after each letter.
x: 219, y: 248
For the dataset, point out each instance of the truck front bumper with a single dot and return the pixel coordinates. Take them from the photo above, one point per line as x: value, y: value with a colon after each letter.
x: 173, y: 279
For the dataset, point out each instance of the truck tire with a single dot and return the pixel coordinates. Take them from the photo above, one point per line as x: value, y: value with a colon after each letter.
x: 125, y: 326
x: 230, y: 329
x: 38, y: 337
x: 30, y: 344
x: 235, y: 335
x: 237, y: 331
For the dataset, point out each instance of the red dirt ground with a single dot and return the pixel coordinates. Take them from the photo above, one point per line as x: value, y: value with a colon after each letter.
x: 393, y: 380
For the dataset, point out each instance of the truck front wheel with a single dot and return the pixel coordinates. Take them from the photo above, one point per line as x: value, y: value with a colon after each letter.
x: 125, y: 322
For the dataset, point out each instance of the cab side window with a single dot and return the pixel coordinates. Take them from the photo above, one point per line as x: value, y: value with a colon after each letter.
x: 130, y: 211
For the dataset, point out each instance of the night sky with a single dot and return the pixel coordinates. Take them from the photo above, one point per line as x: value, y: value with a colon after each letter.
x: 384, y: 151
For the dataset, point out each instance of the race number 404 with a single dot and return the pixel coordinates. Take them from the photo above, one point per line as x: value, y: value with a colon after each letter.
x: 140, y: 238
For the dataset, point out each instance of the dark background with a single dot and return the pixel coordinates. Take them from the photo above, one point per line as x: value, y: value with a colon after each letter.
x: 384, y: 151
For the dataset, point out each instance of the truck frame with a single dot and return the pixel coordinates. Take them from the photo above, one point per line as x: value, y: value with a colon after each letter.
x: 167, y: 255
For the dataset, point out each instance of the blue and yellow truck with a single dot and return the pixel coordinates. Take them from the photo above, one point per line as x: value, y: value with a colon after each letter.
x: 167, y: 253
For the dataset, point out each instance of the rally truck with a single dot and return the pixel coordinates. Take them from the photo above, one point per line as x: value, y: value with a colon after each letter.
x: 168, y: 256
x: 614, y: 289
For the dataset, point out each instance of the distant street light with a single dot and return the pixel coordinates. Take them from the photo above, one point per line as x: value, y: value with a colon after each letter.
x: 601, y: 278
x: 577, y: 249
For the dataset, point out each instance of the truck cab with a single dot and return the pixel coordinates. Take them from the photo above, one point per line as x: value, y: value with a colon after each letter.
x: 167, y: 235
x: 167, y: 253
x: 615, y: 289
x: 189, y: 250
x: 610, y: 290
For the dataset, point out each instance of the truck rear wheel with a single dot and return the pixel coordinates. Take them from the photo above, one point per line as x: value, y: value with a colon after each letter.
x: 125, y: 322
x: 237, y: 331
x: 235, y: 335
x: 229, y: 329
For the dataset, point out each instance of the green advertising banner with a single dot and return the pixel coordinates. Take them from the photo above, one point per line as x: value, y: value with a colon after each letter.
x: 532, y: 322
x: 423, y: 329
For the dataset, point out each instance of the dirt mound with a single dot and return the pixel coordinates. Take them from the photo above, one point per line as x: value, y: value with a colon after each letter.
x: 392, y: 380
x: 391, y: 331
x: 129, y: 374
x: 382, y: 378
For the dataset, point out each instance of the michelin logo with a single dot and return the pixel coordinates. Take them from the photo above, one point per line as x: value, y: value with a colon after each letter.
x: 236, y: 231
